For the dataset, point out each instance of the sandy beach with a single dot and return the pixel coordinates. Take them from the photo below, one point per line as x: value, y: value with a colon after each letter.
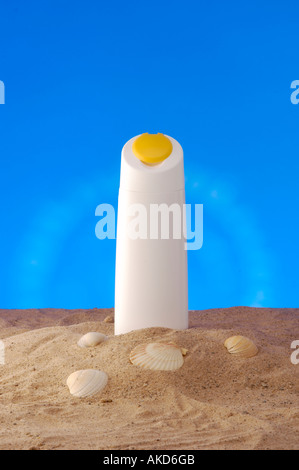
x: 214, y: 401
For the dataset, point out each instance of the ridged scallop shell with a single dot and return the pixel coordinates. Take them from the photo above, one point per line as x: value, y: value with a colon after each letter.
x: 86, y: 383
x: 158, y: 356
x: 241, y: 346
x: 91, y: 339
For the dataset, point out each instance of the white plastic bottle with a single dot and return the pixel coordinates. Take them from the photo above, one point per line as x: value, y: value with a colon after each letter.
x: 151, y: 287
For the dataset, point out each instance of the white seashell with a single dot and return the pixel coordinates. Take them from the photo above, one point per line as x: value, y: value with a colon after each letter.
x: 241, y: 346
x: 86, y: 383
x: 91, y: 339
x: 109, y: 319
x: 157, y: 356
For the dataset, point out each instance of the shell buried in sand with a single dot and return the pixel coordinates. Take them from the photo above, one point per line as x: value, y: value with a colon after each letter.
x: 158, y: 356
x: 91, y: 339
x: 86, y: 383
x: 241, y: 346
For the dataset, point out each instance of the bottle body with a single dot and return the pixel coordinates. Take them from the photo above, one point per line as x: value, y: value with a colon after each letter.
x: 151, y: 286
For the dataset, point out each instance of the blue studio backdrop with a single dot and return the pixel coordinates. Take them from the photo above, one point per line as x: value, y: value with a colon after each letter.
x: 82, y: 78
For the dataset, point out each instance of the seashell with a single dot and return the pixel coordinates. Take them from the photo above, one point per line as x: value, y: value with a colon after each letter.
x: 109, y: 319
x: 91, y: 339
x: 157, y: 356
x: 241, y: 346
x: 86, y: 383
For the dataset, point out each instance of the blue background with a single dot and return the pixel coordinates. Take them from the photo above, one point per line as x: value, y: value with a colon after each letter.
x: 82, y: 78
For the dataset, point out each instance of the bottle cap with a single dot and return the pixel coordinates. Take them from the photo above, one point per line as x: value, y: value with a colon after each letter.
x: 152, y: 148
x: 139, y: 173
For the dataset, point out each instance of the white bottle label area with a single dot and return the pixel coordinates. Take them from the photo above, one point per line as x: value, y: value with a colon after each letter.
x: 151, y: 269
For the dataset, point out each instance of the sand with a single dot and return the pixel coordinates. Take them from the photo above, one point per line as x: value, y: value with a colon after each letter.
x: 215, y: 401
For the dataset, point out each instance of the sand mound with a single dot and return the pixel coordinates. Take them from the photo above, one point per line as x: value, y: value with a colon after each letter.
x: 215, y: 401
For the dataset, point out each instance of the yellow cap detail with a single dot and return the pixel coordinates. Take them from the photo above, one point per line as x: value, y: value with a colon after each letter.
x: 152, y: 148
